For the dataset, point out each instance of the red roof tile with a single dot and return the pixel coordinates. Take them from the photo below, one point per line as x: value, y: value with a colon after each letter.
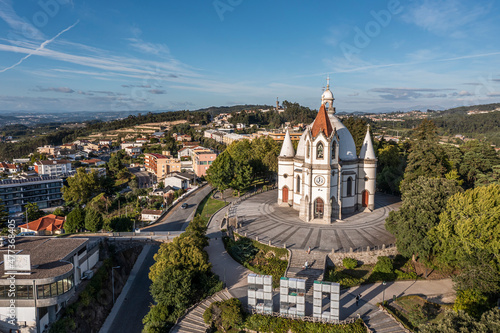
x: 50, y: 223
x: 322, y: 123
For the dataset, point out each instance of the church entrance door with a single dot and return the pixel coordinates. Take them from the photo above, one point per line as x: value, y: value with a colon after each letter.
x: 365, y: 198
x: 285, y: 194
x: 319, y: 208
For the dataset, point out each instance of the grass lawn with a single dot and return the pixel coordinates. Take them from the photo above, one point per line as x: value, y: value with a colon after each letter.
x: 402, y: 269
x: 348, y: 277
x: 414, y: 311
x: 208, y: 207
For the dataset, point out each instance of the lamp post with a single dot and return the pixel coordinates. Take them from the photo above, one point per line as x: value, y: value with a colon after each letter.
x: 383, y: 293
x: 113, y: 281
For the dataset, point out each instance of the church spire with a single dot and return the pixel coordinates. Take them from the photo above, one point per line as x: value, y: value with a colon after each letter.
x: 367, y: 150
x: 322, y: 123
x: 287, y: 148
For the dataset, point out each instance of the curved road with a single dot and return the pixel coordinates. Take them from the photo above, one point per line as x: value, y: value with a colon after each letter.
x: 178, y: 218
x: 137, y: 301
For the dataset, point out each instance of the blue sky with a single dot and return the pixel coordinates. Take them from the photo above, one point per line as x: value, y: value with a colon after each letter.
x: 160, y: 54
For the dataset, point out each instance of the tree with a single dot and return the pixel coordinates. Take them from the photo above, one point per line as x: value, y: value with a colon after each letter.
x: 33, y: 212
x: 460, y: 321
x: 93, y: 220
x: 82, y: 187
x: 75, y: 220
x: 4, y: 215
x: 220, y: 173
x: 121, y: 224
x: 427, y: 158
x: 243, y: 176
x: 469, y: 226
x: 357, y: 128
x: 59, y: 212
x: 423, y: 201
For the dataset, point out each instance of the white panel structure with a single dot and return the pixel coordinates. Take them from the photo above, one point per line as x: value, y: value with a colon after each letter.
x: 292, y: 297
x: 260, y: 293
x: 333, y: 291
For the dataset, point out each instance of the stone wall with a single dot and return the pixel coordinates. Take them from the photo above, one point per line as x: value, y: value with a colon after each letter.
x: 365, y: 257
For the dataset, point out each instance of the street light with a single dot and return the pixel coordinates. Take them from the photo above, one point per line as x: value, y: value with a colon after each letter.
x: 113, y: 281
x: 383, y: 293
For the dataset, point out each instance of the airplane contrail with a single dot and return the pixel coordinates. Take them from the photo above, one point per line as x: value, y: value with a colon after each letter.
x: 41, y: 47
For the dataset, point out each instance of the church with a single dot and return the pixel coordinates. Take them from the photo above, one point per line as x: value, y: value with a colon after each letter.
x: 324, y: 178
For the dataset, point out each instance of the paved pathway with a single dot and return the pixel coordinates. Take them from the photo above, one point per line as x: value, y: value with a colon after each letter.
x: 261, y: 216
x: 232, y: 273
x: 235, y: 275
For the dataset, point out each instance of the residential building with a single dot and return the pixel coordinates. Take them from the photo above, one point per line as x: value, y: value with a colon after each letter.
x: 184, y: 152
x: 21, y: 160
x: 216, y: 135
x: 55, y: 268
x: 280, y: 136
x: 161, y: 165
x: 133, y: 151
x: 9, y: 168
x: 93, y: 162
x: 52, y: 167
x: 130, y: 144
x: 48, y: 150
x: 182, y: 137
x: 202, y: 159
x: 106, y: 142
x: 150, y: 214
x: 178, y: 181
x: 44, y: 191
x: 158, y: 135
x: 142, y: 140
x: 45, y: 226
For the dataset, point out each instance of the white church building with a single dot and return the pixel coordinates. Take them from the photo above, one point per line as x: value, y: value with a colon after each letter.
x: 325, y: 178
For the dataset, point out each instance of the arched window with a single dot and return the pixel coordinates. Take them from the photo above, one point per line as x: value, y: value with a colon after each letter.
x: 334, y: 149
x: 319, y: 208
x: 308, y: 149
x: 319, y: 151
x: 349, y: 187
x: 298, y: 184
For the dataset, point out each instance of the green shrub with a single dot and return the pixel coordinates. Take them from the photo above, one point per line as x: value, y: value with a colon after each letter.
x: 224, y: 315
x: 262, y: 323
x: 384, y: 265
x: 350, y: 263
x: 472, y: 302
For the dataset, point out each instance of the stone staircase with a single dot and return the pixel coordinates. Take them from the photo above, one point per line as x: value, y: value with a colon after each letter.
x: 316, y: 267
x: 380, y: 322
x: 192, y: 321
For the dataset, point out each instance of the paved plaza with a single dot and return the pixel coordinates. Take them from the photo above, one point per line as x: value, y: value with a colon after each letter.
x: 261, y: 217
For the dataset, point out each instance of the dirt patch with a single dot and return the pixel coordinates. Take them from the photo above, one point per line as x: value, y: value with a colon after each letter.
x: 432, y: 274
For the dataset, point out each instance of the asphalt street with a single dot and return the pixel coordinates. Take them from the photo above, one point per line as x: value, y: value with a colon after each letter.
x: 143, y: 178
x: 178, y: 219
x: 136, y: 305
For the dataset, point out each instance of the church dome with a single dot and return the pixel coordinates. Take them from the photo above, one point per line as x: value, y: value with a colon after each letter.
x: 327, y: 95
x: 347, y: 147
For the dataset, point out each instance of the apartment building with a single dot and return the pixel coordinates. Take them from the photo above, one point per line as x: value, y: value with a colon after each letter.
x: 52, y: 168
x: 161, y: 165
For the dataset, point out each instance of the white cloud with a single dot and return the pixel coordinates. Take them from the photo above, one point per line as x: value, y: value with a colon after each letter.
x: 19, y: 25
x: 444, y: 17
x: 39, y: 49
